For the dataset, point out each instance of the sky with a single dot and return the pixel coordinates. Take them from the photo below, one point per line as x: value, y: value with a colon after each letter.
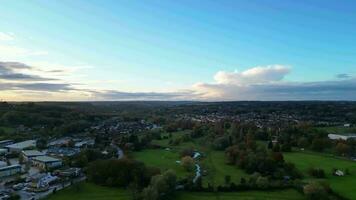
x: 91, y: 50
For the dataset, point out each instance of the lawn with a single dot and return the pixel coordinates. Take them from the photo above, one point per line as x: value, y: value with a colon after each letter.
x: 213, y: 161
x: 345, y: 186
x: 7, y: 129
x: 249, y: 195
x: 88, y: 191
x: 338, y: 129
x: 162, y: 159
x: 217, y: 169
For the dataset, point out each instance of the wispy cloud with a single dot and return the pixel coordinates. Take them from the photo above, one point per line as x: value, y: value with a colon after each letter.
x: 6, y: 36
x: 9, y: 71
x: 257, y: 83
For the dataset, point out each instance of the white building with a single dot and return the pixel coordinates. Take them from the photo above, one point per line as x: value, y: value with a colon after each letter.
x: 29, y: 154
x: 341, y: 137
x: 46, y: 162
x: 18, y: 147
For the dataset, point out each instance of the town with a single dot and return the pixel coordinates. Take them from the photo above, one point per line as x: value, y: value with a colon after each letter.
x: 45, y: 157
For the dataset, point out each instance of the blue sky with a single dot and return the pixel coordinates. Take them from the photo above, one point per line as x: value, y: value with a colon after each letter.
x: 171, y: 46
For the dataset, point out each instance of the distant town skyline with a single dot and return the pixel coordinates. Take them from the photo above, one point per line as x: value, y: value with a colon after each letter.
x: 177, y: 50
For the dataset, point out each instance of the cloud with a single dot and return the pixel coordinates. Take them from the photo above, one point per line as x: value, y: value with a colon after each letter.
x: 11, y: 52
x: 343, y: 76
x: 119, y: 95
x: 271, y: 73
x: 6, y: 36
x: 257, y: 83
x: 266, y: 83
x: 10, y: 71
x: 48, y: 87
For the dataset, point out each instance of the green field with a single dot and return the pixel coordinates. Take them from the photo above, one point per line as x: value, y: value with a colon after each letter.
x: 217, y: 169
x: 162, y: 159
x: 7, y: 129
x: 88, y: 191
x: 213, y: 161
x: 250, y: 195
x: 345, y: 186
x: 338, y: 129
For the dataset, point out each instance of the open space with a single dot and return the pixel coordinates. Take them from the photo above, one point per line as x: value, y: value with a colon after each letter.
x: 88, y: 191
x: 346, y: 186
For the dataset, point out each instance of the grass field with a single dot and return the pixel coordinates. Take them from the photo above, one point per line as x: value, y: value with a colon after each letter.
x: 213, y: 161
x: 345, y: 186
x: 338, y: 129
x: 250, y: 195
x: 162, y: 159
x: 217, y: 169
x: 7, y: 129
x: 88, y: 191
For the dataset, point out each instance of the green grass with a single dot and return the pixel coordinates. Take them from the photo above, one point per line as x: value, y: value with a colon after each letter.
x: 162, y: 159
x: 213, y: 162
x: 217, y: 169
x: 88, y: 191
x: 7, y: 129
x: 345, y: 186
x: 338, y: 129
x: 249, y: 195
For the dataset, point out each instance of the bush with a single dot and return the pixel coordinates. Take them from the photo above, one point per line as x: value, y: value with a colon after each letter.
x: 188, y: 163
x: 316, y: 172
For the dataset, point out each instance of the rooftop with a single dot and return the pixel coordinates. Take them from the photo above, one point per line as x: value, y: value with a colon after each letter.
x: 22, y: 145
x: 46, y: 159
x: 30, y: 153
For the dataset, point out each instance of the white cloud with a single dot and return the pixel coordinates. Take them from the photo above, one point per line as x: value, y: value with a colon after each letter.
x: 255, y: 75
x: 266, y: 83
x: 6, y: 36
x: 11, y: 52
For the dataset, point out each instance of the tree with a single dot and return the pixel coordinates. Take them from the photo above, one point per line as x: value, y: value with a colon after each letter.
x: 227, y: 179
x: 161, y: 186
x: 262, y: 182
x: 343, y: 149
x: 188, y: 163
x: 316, y: 191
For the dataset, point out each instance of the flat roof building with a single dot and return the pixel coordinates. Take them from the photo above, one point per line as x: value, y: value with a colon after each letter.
x: 46, y: 162
x: 18, y: 147
x: 29, y: 154
x: 4, y: 143
x: 10, y: 170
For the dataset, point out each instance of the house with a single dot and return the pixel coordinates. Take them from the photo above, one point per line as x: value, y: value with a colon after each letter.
x: 3, y: 152
x: 342, y: 137
x: 84, y: 143
x: 18, y: 147
x: 9, y: 170
x: 64, y: 141
x: 70, y: 172
x: 3, y: 164
x: 46, y: 162
x: 4, y: 143
x: 29, y: 154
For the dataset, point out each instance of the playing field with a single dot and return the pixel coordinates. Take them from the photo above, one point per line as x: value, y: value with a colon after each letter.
x: 345, y: 186
x: 161, y: 158
x: 250, y: 195
x: 88, y: 191
x: 217, y: 169
x: 213, y: 162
